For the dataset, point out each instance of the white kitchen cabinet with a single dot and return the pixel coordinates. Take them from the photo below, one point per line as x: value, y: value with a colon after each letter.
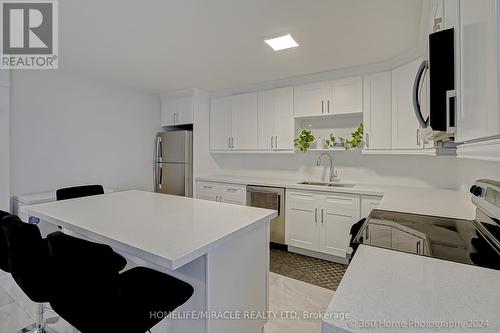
x: 310, y: 99
x: 346, y: 96
x: 342, y: 96
x: 377, y: 110
x: 478, y: 116
x: 233, y: 122
x: 221, y: 192
x: 319, y: 221
x: 302, y: 220
x: 338, y: 213
x: 368, y: 203
x: 244, y: 121
x: 220, y: 123
x: 275, y: 119
x: 177, y: 110
x: 207, y: 191
x: 404, y: 123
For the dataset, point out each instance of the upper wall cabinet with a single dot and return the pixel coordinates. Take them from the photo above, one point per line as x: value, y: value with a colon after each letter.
x: 343, y: 96
x: 377, y: 110
x: 233, y: 122
x: 478, y: 117
x: 177, y: 110
x: 244, y: 121
x: 275, y: 119
x: 220, y: 124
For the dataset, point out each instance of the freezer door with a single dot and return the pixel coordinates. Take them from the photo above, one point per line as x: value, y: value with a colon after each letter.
x: 175, y: 147
x: 171, y: 178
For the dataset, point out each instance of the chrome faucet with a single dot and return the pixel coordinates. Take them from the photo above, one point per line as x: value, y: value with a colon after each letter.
x: 333, y: 173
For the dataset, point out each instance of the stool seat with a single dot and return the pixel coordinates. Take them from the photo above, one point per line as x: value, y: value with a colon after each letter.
x: 98, y: 298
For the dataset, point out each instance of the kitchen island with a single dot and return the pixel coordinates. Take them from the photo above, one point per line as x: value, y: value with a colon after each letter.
x: 220, y: 249
x: 390, y: 291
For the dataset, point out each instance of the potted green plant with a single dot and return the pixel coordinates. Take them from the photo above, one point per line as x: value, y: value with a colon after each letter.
x: 357, y: 138
x: 303, y: 142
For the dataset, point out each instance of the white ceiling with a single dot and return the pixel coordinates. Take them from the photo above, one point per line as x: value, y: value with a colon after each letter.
x: 164, y: 45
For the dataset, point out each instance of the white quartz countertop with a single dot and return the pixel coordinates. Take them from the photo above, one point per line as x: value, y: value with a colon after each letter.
x: 417, y: 200
x: 388, y: 287
x: 171, y: 229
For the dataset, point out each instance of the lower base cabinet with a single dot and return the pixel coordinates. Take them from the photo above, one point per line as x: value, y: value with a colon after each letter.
x: 221, y: 192
x: 369, y: 203
x: 320, y: 221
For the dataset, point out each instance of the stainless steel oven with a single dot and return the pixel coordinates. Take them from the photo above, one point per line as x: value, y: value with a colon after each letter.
x: 270, y: 198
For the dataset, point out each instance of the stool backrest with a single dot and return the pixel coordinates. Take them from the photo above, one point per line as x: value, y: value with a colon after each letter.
x: 79, y: 192
x: 29, y: 259
x: 4, y: 254
x: 95, y: 265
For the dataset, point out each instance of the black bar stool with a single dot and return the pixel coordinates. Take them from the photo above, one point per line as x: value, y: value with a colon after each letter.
x: 356, y: 227
x: 78, y: 192
x: 97, y: 298
x: 30, y: 265
x: 4, y: 254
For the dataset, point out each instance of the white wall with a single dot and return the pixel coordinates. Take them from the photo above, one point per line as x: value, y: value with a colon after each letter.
x: 4, y: 141
x: 68, y: 130
x: 422, y: 171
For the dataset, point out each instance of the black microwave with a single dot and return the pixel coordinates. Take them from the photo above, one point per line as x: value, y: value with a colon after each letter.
x: 441, y: 70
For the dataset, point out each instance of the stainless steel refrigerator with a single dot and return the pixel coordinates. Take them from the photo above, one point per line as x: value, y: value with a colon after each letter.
x: 173, y: 172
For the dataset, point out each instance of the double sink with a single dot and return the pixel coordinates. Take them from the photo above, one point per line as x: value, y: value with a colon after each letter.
x: 327, y: 184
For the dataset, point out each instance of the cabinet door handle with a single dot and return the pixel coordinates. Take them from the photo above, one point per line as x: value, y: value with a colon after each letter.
x: 322, y: 107
x: 228, y: 142
x: 207, y: 187
x: 418, y: 247
x: 418, y: 141
x: 232, y: 142
x: 276, y: 142
x: 322, y: 217
x: 316, y: 215
x: 328, y: 105
x: 272, y: 146
x: 367, y: 140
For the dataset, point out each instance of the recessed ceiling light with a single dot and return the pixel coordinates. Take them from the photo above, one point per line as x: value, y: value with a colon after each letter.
x: 281, y: 43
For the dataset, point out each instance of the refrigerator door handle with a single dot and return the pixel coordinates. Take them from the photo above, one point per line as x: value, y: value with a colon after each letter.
x: 159, y: 151
x: 160, y: 176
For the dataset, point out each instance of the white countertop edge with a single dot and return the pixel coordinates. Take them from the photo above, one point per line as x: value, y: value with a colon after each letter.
x: 366, y: 189
x: 172, y: 264
x: 408, y: 199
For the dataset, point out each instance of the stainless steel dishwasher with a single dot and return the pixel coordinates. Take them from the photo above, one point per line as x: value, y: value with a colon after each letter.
x: 270, y: 198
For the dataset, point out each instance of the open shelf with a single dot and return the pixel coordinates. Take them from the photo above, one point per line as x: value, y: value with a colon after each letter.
x: 322, y: 150
x: 327, y: 116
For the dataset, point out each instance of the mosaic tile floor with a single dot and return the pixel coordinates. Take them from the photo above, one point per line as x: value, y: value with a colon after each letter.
x: 318, y: 272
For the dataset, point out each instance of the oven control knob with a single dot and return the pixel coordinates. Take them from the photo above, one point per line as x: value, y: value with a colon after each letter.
x: 476, y: 190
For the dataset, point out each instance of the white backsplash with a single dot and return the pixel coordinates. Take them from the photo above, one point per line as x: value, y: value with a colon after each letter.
x: 422, y: 171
